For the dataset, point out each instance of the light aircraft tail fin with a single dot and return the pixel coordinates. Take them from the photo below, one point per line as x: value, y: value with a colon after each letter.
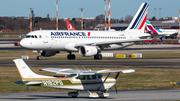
x: 26, y: 73
x: 138, y: 22
x: 151, y: 28
x: 69, y: 26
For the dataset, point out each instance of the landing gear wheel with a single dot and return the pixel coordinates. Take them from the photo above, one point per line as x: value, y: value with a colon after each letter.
x: 39, y: 58
x: 98, y: 57
x: 74, y: 96
x: 71, y: 57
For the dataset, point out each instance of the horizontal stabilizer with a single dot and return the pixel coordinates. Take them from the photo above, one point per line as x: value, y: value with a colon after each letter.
x: 18, y: 82
x: 33, y: 83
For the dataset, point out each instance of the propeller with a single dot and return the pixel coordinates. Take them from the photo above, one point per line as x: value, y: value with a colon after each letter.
x: 115, y: 84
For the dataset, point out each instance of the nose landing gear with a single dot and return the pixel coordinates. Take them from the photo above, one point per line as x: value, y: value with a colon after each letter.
x: 39, y: 57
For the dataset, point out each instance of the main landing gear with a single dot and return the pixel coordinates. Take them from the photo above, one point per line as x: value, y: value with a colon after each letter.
x: 98, y: 56
x: 71, y: 56
x: 73, y: 94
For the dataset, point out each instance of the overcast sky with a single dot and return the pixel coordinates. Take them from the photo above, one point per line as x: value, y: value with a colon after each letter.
x: 92, y: 8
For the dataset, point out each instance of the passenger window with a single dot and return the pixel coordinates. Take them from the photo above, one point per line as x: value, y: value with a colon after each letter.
x: 40, y: 36
x: 90, y: 77
x: 81, y: 77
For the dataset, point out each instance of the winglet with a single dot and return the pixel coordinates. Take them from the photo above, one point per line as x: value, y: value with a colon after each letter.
x: 26, y: 73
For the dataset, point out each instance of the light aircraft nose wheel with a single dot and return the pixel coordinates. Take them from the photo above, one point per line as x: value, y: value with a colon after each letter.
x: 71, y: 57
x: 39, y: 58
x: 98, y: 57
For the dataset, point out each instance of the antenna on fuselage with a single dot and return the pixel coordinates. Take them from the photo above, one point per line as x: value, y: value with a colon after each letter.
x: 84, y: 68
x: 77, y: 68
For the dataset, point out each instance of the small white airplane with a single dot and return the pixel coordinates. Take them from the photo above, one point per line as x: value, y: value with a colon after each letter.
x: 87, y: 43
x: 159, y: 32
x: 80, y: 80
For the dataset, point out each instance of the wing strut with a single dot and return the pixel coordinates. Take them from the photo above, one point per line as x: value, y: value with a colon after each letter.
x: 115, y: 84
x: 103, y: 82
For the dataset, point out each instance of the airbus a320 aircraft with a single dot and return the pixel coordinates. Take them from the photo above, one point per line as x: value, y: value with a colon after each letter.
x: 87, y: 43
x: 160, y: 32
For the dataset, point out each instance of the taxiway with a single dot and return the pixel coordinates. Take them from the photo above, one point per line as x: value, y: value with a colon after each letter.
x: 122, y: 95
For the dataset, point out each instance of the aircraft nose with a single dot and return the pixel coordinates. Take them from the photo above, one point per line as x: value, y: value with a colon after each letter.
x: 23, y: 43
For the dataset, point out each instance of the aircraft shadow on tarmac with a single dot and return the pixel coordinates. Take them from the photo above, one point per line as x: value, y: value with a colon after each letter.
x: 38, y: 97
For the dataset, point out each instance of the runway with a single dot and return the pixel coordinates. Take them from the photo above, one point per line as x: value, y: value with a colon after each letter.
x: 132, y: 63
x: 122, y: 95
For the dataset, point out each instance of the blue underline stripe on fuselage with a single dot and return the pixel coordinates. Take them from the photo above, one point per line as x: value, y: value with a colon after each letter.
x: 138, y: 16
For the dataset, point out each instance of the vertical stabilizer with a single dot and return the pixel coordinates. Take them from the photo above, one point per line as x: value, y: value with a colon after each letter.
x: 69, y: 26
x: 26, y: 73
x: 151, y: 28
x: 138, y: 22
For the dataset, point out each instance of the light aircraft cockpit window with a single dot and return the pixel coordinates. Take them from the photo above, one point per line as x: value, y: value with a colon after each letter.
x: 32, y: 36
x: 90, y: 77
x: 81, y: 77
x: 71, y: 75
x: 99, y: 76
x: 35, y: 36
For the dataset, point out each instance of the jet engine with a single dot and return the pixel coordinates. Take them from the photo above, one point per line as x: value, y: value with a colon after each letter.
x: 88, y: 50
x: 49, y: 53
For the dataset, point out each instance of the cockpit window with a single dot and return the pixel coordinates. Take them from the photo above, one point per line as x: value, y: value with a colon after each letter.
x: 99, y: 76
x: 81, y: 77
x: 71, y: 75
x: 90, y: 77
x: 28, y: 36
x: 31, y: 36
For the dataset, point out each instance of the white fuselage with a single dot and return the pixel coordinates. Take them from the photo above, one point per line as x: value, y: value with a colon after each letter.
x: 64, y: 40
x: 168, y: 32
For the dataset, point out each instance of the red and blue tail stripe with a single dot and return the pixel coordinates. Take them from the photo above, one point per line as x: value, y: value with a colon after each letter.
x: 140, y: 17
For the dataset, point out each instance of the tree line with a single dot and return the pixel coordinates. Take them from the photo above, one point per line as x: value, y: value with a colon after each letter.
x: 22, y: 24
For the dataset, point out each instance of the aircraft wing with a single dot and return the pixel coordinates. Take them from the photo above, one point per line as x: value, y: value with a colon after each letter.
x: 109, y: 42
x: 84, y: 72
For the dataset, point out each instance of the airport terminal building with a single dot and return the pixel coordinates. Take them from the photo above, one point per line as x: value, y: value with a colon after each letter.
x: 170, y: 24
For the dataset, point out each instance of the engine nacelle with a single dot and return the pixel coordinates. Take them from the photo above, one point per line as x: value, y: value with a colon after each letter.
x: 49, y: 53
x: 88, y: 50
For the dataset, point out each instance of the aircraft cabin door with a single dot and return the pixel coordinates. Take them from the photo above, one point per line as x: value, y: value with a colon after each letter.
x: 45, y: 37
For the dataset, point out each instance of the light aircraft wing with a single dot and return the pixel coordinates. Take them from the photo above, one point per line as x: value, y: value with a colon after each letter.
x: 84, y: 72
